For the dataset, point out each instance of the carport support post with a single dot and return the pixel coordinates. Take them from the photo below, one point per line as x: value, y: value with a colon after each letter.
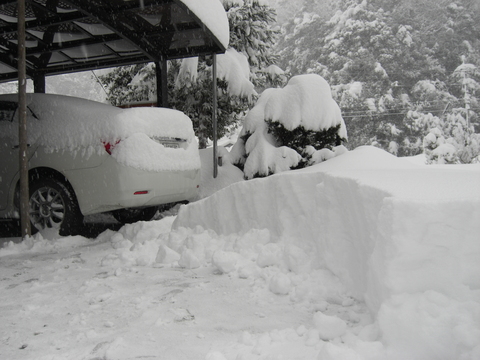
x: 162, y: 89
x: 22, y: 123
x: 214, y: 115
x: 39, y: 83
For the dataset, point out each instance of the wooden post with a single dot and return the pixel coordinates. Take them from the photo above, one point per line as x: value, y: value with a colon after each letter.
x: 22, y: 124
x: 214, y: 115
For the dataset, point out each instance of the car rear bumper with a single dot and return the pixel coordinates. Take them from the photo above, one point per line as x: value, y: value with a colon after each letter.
x: 112, y: 186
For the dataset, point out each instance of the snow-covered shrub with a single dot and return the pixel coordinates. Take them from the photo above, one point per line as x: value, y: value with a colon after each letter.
x: 293, y: 127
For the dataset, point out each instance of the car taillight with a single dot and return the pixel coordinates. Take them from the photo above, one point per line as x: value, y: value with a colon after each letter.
x: 109, y: 146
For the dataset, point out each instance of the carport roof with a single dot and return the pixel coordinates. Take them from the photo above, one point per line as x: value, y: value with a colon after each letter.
x: 74, y: 35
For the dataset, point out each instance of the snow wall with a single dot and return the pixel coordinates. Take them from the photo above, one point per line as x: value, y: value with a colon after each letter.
x: 388, y: 228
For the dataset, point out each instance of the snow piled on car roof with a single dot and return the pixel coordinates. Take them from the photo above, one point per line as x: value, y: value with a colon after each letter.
x: 74, y: 124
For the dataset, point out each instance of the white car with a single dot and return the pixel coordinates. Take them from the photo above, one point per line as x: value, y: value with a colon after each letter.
x: 87, y: 158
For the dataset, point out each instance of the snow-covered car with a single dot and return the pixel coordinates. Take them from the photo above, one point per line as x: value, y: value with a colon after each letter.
x: 87, y: 157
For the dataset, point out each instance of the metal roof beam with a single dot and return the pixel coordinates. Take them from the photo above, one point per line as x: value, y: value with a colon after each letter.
x: 100, y: 39
x: 118, y: 24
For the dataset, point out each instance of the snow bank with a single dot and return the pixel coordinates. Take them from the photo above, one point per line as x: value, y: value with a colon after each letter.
x: 401, y: 237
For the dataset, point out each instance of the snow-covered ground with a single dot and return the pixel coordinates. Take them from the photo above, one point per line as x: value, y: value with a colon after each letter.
x: 364, y: 256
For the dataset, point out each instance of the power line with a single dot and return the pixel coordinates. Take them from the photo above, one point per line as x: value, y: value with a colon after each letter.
x: 365, y: 114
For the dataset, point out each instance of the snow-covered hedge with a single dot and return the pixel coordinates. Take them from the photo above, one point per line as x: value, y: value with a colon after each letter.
x: 293, y: 127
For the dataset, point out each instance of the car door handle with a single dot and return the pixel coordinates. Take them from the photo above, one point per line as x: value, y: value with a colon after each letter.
x: 17, y: 146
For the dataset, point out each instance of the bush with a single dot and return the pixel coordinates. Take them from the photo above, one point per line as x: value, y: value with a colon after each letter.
x: 290, y: 128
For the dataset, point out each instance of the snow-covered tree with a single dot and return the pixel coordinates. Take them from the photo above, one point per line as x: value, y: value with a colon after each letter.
x: 122, y: 89
x: 385, y: 59
x: 452, y: 139
x: 293, y: 127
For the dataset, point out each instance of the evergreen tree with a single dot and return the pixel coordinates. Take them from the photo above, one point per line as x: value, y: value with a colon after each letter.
x: 118, y: 84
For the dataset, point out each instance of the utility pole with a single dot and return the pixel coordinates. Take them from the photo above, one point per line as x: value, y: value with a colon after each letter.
x: 214, y: 114
x: 22, y: 123
x: 466, y: 94
x: 466, y: 98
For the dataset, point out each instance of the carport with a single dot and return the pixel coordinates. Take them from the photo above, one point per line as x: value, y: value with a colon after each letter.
x: 39, y: 38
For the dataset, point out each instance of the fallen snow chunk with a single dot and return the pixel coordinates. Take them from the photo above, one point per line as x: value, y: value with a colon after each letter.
x: 119, y: 242
x: 297, y: 260
x: 197, y: 243
x: 270, y: 255
x: 280, y: 284
x: 143, y: 260
x: 181, y: 315
x: 188, y: 260
x: 176, y: 239
x: 250, y: 270
x: 166, y: 255
x: 329, y: 327
x: 252, y: 240
x: 224, y: 261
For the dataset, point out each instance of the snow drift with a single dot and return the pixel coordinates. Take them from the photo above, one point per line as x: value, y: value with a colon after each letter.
x: 401, y: 237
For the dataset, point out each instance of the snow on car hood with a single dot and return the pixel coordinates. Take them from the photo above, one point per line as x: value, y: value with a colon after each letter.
x: 68, y: 123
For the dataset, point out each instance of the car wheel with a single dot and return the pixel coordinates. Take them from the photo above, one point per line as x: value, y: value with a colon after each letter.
x: 53, y: 206
x: 131, y: 215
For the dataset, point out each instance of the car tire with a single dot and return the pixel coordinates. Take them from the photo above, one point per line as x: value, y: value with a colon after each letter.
x: 53, y: 206
x: 132, y: 215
